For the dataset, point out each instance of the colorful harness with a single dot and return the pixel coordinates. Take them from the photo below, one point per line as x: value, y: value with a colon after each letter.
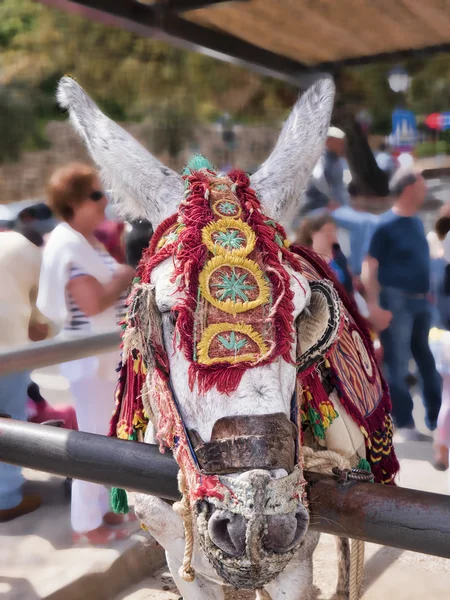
x: 235, y: 313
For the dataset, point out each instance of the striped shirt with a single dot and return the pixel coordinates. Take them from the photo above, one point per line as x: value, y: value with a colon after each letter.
x: 76, y: 319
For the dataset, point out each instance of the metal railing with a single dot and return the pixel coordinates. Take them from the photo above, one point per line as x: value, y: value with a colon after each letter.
x: 398, y: 517
x: 56, y: 351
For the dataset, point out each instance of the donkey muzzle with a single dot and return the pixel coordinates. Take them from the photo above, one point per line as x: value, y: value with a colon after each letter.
x: 250, y: 536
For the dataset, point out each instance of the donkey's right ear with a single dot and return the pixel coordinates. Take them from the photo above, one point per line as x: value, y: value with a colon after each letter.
x: 141, y: 184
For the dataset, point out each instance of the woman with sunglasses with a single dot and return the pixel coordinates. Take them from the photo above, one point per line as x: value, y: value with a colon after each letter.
x: 82, y: 290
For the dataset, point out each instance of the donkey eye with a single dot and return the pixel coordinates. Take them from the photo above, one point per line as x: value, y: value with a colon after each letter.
x: 169, y: 320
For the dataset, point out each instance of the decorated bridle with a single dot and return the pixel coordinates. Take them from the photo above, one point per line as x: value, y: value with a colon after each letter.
x: 236, y: 296
x: 234, y: 312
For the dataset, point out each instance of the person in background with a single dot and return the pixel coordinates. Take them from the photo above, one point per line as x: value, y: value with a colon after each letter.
x: 358, y: 227
x: 110, y: 235
x: 320, y: 234
x: 137, y: 239
x: 38, y: 409
x: 440, y: 334
x: 326, y: 188
x: 83, y: 290
x: 385, y: 160
x: 396, y: 277
x: 20, y: 322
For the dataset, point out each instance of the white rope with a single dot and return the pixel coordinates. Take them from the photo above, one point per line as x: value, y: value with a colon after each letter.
x: 183, y: 509
x: 323, y: 461
x: 263, y: 595
x: 356, y: 569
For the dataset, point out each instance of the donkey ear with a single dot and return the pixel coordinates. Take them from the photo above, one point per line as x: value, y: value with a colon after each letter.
x: 282, y: 179
x: 143, y: 187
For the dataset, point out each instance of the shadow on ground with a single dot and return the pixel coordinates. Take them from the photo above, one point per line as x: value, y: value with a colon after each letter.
x: 133, y: 566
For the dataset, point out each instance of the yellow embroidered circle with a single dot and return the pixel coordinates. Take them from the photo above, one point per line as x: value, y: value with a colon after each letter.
x: 233, y: 284
x: 230, y: 343
x: 230, y: 237
x: 227, y: 206
x: 170, y: 235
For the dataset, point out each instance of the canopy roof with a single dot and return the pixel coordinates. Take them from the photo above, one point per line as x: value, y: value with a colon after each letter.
x: 289, y: 39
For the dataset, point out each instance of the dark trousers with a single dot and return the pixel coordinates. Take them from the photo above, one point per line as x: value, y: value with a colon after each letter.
x: 408, y: 333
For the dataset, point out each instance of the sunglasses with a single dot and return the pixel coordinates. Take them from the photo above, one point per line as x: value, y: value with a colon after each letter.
x: 96, y: 195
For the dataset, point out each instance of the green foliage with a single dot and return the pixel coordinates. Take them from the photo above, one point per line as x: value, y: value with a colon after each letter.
x: 132, y: 78
x: 16, y: 123
x: 430, y: 88
x: 425, y: 149
x: 171, y: 90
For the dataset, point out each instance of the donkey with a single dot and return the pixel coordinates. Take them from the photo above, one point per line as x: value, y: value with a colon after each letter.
x: 240, y: 353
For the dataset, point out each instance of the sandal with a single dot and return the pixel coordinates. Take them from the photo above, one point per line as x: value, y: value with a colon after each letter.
x: 441, y: 459
x: 100, y: 536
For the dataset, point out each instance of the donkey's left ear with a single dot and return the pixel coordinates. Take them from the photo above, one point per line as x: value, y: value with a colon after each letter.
x: 282, y: 179
x: 143, y: 186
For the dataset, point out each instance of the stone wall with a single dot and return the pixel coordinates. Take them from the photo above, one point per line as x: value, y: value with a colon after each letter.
x: 27, y: 178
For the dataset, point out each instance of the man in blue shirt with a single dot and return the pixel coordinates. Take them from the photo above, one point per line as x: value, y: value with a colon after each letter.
x: 359, y: 227
x: 396, y: 275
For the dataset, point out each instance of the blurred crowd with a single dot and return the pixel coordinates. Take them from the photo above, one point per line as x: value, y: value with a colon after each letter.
x: 397, y: 277
x: 67, y: 264
x: 66, y: 273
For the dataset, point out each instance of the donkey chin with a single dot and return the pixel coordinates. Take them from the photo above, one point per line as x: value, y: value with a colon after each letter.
x: 251, y: 535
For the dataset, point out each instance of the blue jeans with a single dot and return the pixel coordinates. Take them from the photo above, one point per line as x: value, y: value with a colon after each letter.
x: 408, y: 333
x: 13, y: 401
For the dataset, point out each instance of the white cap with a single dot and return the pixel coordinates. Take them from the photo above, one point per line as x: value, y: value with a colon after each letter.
x: 335, y: 132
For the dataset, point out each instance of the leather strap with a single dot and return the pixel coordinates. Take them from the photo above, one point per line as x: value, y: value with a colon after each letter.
x: 247, y: 442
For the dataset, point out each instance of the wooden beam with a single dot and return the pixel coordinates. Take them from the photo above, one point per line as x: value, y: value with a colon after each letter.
x: 146, y: 21
x: 179, y: 6
x: 397, y: 55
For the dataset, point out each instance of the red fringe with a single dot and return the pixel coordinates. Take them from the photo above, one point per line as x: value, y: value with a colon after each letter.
x: 119, y: 393
x: 313, y: 384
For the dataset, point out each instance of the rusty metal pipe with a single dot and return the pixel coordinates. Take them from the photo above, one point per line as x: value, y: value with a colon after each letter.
x: 382, y: 514
x: 392, y: 516
x: 108, y: 461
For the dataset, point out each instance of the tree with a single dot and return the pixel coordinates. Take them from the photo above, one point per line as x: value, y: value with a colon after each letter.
x: 16, y: 123
x: 136, y: 78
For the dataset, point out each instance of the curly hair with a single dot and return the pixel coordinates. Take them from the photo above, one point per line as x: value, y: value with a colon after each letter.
x: 70, y: 186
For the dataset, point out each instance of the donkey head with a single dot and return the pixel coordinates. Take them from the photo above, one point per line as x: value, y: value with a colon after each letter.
x: 228, y: 302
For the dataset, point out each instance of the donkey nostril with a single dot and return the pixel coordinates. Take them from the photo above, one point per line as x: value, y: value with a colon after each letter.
x: 228, y: 530
x: 285, y: 531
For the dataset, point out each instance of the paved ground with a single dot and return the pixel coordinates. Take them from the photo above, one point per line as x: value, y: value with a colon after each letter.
x: 38, y: 560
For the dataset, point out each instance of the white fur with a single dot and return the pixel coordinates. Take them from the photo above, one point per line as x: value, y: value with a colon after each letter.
x: 143, y: 186
x: 281, y: 180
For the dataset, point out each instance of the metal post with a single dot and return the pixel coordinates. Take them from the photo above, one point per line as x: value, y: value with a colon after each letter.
x: 392, y: 516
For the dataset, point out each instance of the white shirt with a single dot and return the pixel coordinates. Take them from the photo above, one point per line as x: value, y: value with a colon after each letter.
x: 20, y: 264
